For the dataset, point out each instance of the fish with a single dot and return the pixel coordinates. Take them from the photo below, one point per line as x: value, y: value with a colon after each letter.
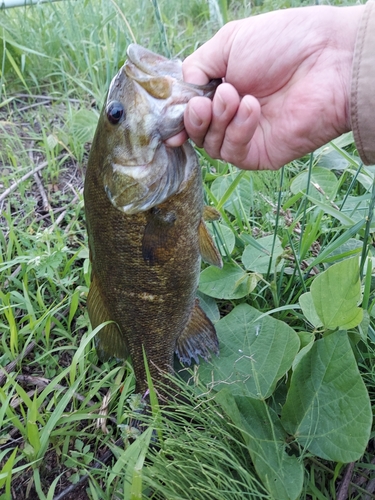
x: 145, y: 218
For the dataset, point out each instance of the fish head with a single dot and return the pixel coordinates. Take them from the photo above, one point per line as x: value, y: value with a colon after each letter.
x: 144, y: 107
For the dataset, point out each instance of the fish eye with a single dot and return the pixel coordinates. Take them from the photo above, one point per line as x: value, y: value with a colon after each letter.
x: 115, y: 112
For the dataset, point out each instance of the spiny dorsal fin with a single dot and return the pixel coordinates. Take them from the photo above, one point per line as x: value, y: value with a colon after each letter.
x: 210, y: 213
x: 198, y: 338
x: 109, y: 340
x: 207, y: 247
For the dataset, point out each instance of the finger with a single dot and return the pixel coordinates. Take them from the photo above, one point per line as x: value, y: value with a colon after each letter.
x: 224, y: 108
x: 197, y: 118
x: 177, y: 140
x: 210, y: 60
x: 237, y: 146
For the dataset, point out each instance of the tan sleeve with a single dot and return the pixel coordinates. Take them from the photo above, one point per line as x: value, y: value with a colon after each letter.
x: 362, y: 99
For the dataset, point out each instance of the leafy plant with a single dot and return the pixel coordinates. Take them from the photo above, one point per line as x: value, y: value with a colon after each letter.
x: 289, y: 400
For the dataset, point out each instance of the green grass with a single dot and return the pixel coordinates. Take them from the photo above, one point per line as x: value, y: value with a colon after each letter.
x: 62, y: 413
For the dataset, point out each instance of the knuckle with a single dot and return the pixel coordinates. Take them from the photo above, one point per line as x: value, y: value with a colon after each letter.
x: 233, y: 154
x: 213, y: 151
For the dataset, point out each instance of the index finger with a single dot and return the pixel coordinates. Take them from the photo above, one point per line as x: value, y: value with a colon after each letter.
x: 211, y: 59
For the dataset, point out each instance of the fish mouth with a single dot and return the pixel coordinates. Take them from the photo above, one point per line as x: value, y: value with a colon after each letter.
x: 153, y: 64
x: 158, y: 75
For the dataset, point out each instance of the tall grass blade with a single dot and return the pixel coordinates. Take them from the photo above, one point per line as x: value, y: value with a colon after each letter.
x: 154, y: 403
x: 279, y: 198
x: 6, y: 473
x: 366, y: 238
x: 230, y: 189
x: 164, y: 45
x: 16, y: 69
x: 343, y: 238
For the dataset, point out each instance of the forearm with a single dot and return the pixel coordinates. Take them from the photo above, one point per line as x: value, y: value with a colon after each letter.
x: 362, y: 99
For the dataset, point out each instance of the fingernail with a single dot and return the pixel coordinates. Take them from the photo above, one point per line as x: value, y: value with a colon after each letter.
x: 219, y: 105
x: 243, y: 113
x: 194, y: 118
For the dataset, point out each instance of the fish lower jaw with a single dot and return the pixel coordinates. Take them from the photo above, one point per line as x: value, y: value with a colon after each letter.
x: 136, y: 172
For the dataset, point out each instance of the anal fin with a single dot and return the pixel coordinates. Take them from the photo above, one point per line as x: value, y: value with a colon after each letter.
x: 109, y: 340
x: 198, y: 338
x: 207, y: 247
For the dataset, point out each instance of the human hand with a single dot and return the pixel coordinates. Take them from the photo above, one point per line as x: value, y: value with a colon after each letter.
x: 287, y: 86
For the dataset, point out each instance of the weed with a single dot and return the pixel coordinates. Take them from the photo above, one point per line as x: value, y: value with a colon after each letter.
x: 290, y: 399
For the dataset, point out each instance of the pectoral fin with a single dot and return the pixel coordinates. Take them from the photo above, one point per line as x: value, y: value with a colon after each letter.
x: 210, y: 213
x: 207, y: 247
x: 198, y: 338
x: 109, y: 340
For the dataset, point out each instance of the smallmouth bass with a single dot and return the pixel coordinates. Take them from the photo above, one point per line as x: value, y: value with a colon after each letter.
x: 144, y: 213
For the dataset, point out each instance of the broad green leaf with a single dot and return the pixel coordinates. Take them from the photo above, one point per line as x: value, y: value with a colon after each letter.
x: 209, y: 306
x: 330, y: 210
x: 305, y: 338
x: 336, y: 293
x: 359, y: 210
x: 363, y: 178
x: 307, y: 341
x: 281, y: 474
x: 347, y: 249
x: 332, y: 160
x: 335, y: 146
x: 343, y: 140
x: 363, y: 328
x: 257, y: 261
x: 356, y: 162
x: 328, y: 408
x: 357, y: 207
x: 304, y: 350
x: 230, y: 282
x: 254, y: 353
x: 308, y: 309
x: 323, y: 184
